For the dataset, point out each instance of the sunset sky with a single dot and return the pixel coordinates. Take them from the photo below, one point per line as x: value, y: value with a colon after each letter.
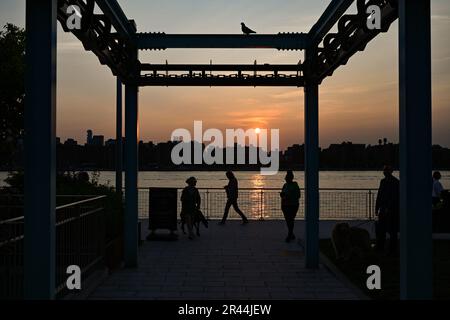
x: 359, y: 103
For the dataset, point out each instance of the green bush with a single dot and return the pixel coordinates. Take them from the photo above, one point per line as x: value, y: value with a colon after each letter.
x: 80, y: 184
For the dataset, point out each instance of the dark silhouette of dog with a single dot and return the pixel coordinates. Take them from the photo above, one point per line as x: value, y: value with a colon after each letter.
x: 349, y: 241
x: 199, y: 219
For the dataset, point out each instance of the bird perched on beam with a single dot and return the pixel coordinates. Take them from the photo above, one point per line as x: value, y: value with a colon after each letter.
x: 246, y: 30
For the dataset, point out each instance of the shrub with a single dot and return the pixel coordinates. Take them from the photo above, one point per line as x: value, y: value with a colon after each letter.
x: 80, y: 184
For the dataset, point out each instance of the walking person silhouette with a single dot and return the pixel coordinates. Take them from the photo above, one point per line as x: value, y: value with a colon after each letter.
x: 290, y: 196
x: 232, y: 190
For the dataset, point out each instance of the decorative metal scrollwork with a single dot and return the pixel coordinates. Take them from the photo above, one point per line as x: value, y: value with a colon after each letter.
x: 96, y: 35
x: 352, y: 35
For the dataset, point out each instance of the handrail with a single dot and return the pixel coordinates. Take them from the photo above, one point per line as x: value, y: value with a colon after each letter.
x: 79, y: 202
x: 69, y: 205
x: 63, y: 222
x: 11, y: 220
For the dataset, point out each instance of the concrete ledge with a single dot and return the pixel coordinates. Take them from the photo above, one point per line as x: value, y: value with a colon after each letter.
x: 341, y: 276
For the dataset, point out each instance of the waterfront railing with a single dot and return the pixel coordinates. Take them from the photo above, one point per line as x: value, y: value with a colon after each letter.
x: 80, y: 241
x: 265, y: 203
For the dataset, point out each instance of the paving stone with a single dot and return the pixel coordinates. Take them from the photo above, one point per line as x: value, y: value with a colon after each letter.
x: 231, y: 262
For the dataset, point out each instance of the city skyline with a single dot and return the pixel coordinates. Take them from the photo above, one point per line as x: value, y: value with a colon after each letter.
x: 91, y: 138
x: 99, y: 154
x: 359, y: 103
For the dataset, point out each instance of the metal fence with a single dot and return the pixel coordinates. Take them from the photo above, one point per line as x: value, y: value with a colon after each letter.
x: 80, y: 225
x: 80, y: 240
x: 265, y: 203
x: 11, y: 258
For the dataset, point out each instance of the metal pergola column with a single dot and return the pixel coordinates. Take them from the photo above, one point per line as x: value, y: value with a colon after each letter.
x: 40, y: 149
x: 131, y: 175
x: 311, y: 121
x: 415, y: 150
x: 119, y: 142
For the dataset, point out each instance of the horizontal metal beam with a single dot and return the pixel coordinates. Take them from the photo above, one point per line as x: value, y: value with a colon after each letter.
x: 221, y: 81
x: 221, y: 67
x: 119, y: 20
x: 281, y: 41
x: 328, y: 19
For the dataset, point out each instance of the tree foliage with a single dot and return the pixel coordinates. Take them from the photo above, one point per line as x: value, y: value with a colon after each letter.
x: 12, y: 89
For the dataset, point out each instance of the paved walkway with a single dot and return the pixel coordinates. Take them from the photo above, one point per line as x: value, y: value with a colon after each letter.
x: 227, y: 262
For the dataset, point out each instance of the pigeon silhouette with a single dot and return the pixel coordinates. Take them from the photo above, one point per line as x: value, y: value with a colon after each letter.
x: 246, y: 30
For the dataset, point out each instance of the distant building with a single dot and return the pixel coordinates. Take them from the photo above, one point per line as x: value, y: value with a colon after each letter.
x: 71, y: 142
x: 346, y: 155
x: 110, y: 142
x: 98, y: 141
x: 177, y: 139
x: 89, y: 137
x: 295, y: 154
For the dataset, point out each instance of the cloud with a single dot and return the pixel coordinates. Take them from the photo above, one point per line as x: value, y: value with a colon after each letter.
x: 72, y: 46
x: 287, y: 95
x: 358, y: 89
x: 441, y: 18
x: 255, y: 117
x: 442, y: 59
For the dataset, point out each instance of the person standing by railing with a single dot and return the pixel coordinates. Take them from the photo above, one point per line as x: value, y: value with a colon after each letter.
x: 190, y: 204
x: 232, y: 190
x: 437, y: 188
x: 387, y: 209
x: 290, y: 199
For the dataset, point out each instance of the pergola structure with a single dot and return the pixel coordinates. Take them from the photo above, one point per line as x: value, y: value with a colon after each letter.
x: 116, y: 42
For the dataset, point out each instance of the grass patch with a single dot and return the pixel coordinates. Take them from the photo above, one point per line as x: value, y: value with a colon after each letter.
x: 355, y: 271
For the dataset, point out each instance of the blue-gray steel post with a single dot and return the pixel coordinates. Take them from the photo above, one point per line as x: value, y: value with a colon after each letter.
x: 119, y: 142
x: 40, y: 149
x: 311, y: 120
x: 415, y: 149
x: 131, y: 173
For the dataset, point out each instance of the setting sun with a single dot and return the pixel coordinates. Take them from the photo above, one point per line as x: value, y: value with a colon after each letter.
x: 257, y: 130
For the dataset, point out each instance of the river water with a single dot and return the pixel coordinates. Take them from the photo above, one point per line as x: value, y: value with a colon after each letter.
x: 250, y: 179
